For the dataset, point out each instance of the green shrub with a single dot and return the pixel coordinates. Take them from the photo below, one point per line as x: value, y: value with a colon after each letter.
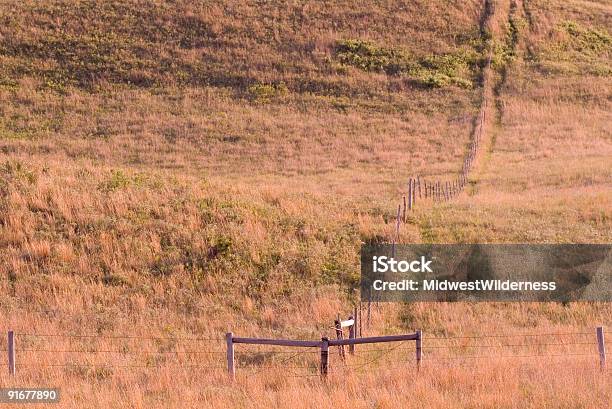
x: 576, y: 50
x: 431, y: 71
x: 587, y: 40
x: 120, y: 180
x: 261, y: 92
x: 117, y: 180
x: 369, y: 57
x: 17, y: 170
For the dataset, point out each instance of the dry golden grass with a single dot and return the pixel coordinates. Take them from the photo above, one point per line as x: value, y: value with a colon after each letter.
x: 232, y: 192
x: 497, y: 376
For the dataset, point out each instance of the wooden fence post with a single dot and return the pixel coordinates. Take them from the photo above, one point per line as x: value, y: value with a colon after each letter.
x: 229, y: 339
x: 324, y: 356
x: 369, y: 311
x: 339, y: 336
x: 419, y: 352
x: 352, y: 330
x: 11, y: 352
x: 404, y: 209
x: 410, y: 194
x: 397, y: 223
x: 602, y: 348
x: 419, y: 183
x: 360, y: 328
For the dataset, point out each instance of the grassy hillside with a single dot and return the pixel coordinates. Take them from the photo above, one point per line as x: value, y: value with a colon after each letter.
x: 178, y: 169
x: 211, y: 164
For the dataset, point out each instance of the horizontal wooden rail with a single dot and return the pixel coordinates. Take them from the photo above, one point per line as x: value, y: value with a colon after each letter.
x: 278, y: 342
x: 372, y: 340
x: 323, y: 345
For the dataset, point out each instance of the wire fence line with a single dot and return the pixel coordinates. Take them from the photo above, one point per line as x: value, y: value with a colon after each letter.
x: 508, y: 345
x: 96, y: 365
x: 57, y: 335
x: 422, y: 187
x: 558, y: 334
x: 255, y: 359
x: 100, y: 351
x: 439, y: 190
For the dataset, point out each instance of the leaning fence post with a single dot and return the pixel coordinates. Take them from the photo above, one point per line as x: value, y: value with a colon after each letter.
x: 11, y: 352
x: 602, y: 348
x: 419, y: 352
x: 229, y: 338
x: 339, y: 335
x: 324, y: 356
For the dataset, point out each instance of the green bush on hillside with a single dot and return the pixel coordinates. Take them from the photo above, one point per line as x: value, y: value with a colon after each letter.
x: 576, y: 49
x: 432, y: 71
x: 261, y: 92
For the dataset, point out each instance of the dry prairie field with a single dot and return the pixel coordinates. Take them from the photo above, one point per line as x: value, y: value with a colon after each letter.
x: 171, y: 171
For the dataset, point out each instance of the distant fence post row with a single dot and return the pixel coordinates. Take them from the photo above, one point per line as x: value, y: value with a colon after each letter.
x: 441, y: 191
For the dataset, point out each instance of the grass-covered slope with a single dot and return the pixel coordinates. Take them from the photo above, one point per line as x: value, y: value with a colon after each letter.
x: 229, y: 153
x: 258, y: 144
x: 185, y: 168
x: 228, y: 44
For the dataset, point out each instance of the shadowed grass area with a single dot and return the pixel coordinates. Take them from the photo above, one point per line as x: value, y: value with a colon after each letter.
x: 225, y: 44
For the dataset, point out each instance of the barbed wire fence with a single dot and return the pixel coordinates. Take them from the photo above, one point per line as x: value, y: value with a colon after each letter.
x: 206, y: 354
x: 441, y: 190
x: 421, y: 187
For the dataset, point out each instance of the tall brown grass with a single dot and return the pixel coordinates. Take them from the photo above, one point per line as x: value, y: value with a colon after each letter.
x: 232, y: 190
